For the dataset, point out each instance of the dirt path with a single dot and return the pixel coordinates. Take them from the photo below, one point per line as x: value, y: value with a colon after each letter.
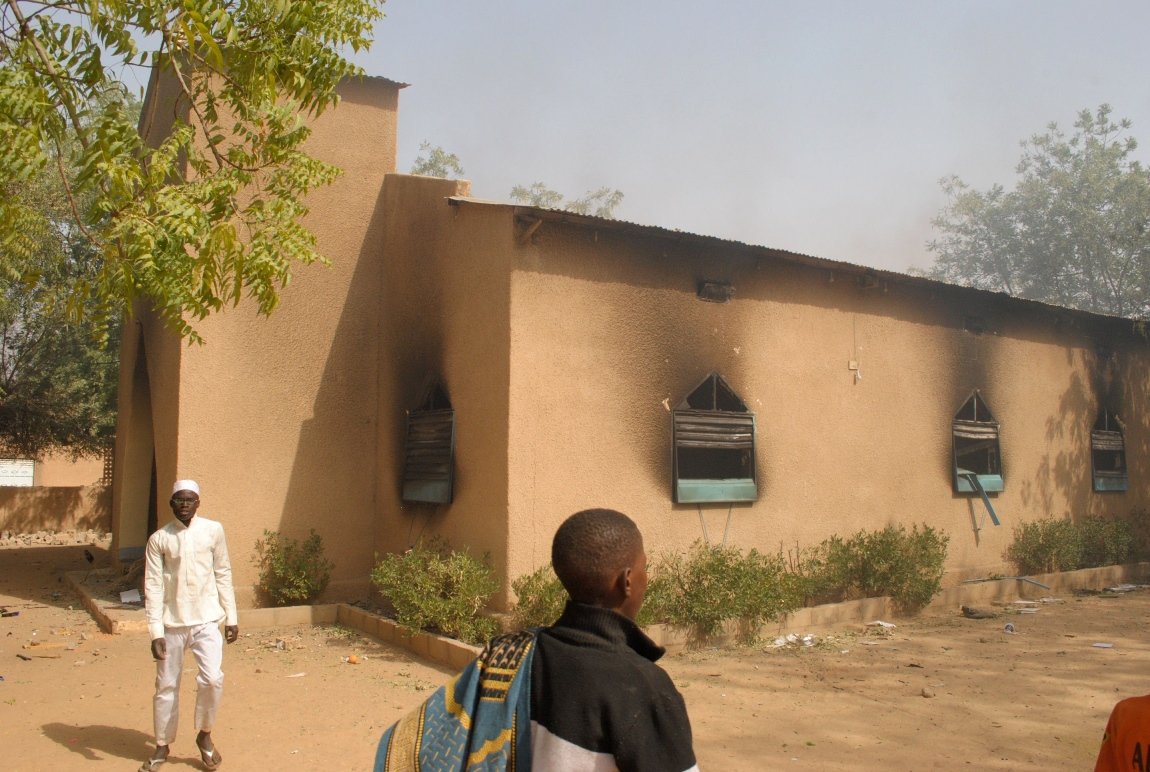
x: 934, y: 693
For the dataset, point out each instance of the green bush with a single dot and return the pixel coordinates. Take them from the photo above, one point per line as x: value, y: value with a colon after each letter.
x: 907, y: 566
x: 1139, y: 522
x: 541, y: 598
x: 1106, y: 541
x: 1060, y: 544
x: 711, y: 585
x: 1045, y: 546
x: 827, y: 572
x: 437, y: 589
x: 291, y: 572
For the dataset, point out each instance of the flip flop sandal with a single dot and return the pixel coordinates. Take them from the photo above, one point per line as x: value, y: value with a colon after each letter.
x: 211, y: 759
x: 151, y: 765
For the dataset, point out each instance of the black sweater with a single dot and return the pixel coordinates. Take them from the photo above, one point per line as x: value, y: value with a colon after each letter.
x: 599, y: 701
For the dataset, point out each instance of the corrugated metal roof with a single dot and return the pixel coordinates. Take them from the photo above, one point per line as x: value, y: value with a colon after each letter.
x: 380, y: 78
x: 838, y: 266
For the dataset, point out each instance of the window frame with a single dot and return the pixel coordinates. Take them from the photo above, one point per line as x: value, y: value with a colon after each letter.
x: 1109, y: 440
x: 984, y: 430
x: 429, y: 451
x: 698, y: 429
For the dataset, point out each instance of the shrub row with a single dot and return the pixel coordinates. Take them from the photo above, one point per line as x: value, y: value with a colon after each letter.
x: 710, y: 585
x: 1060, y: 544
x: 432, y: 587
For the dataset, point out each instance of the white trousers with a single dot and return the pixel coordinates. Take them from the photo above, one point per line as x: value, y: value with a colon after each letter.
x: 207, y: 644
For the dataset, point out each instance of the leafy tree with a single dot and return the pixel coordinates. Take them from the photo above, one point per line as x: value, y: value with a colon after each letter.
x: 1075, y: 231
x: 57, y: 384
x: 537, y: 194
x: 58, y: 366
x: 434, y: 161
x: 600, y: 203
x: 212, y: 212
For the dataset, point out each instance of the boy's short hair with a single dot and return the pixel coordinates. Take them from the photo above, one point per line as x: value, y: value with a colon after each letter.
x: 590, y: 547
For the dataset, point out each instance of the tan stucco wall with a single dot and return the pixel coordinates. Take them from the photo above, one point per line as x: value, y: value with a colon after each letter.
x: 446, y: 300
x: 607, y: 333
x: 56, y: 508
x: 275, y: 417
x: 61, y: 470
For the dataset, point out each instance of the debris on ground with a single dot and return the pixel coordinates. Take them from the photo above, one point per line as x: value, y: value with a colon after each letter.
x: 971, y: 612
x: 793, y: 639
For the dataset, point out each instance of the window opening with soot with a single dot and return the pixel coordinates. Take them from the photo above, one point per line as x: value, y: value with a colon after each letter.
x: 1108, y: 454
x: 428, y: 468
x: 714, y: 446
x: 977, y: 455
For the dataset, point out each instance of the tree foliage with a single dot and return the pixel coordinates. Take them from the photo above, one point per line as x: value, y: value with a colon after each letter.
x: 58, y: 367
x: 209, y: 214
x: 434, y: 161
x: 600, y: 203
x: 1075, y: 231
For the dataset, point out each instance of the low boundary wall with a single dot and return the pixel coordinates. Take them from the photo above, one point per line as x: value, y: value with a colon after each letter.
x: 56, y: 508
x: 123, y: 618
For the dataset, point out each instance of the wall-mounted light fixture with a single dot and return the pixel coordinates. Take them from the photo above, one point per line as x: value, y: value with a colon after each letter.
x: 715, y: 291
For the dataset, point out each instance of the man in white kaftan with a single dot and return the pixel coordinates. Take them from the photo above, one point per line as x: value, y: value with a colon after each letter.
x: 187, y: 593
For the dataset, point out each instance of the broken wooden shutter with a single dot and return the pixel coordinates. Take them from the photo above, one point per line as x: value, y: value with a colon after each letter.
x: 428, y: 470
x: 976, y: 451
x: 714, y: 446
x: 1108, y: 454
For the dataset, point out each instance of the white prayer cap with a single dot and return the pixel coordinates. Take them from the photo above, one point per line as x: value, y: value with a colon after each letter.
x: 186, y: 485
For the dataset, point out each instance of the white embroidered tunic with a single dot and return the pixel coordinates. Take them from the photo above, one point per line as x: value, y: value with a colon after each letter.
x: 188, y: 577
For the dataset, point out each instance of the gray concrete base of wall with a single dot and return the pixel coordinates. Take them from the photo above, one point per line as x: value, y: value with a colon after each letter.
x: 121, y: 618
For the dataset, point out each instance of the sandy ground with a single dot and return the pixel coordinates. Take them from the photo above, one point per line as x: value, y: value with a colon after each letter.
x: 931, y: 693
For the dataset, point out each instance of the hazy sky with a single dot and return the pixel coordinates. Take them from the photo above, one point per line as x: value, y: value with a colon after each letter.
x: 816, y: 127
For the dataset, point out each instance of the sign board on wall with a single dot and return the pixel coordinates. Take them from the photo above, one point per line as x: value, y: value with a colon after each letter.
x: 17, y: 472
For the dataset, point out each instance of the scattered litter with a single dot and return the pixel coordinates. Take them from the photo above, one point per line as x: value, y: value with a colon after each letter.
x: 792, y: 639
x: 4, y: 612
x: 928, y: 693
x: 1104, y: 645
x: 130, y: 596
x: 1016, y: 578
x: 1029, y: 610
x: 1009, y: 628
x: 296, y: 675
x: 1122, y: 588
x: 279, y: 644
x: 977, y: 613
x: 24, y: 657
x: 1050, y: 599
x: 882, y: 624
x: 351, y: 660
x: 1, y: 679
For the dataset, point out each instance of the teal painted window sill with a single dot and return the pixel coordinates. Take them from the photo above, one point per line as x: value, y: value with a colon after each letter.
x: 715, y: 491
x: 991, y: 483
x: 1111, y: 484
